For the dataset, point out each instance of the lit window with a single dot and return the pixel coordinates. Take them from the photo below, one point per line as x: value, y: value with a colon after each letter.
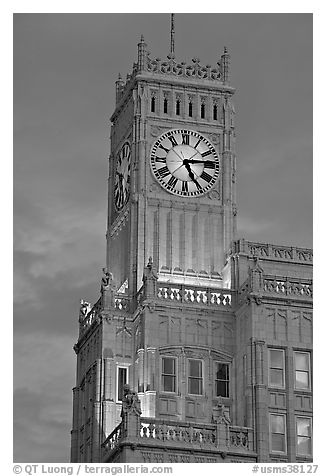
x: 153, y: 104
x: 222, y: 379
x: 304, y: 446
x: 122, y: 381
x: 277, y: 433
x: 168, y: 374
x: 195, y: 377
x: 276, y: 368
x: 302, y: 370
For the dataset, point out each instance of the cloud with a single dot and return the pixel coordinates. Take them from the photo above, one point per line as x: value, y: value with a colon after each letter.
x: 38, y: 435
x: 44, y: 369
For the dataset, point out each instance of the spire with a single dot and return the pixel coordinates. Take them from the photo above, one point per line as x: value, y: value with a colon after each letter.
x: 172, y: 36
x: 141, y: 53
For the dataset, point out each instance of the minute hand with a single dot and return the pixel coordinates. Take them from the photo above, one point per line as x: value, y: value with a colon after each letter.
x: 195, y: 161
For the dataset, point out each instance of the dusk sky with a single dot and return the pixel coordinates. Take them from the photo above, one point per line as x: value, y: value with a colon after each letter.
x: 65, y: 68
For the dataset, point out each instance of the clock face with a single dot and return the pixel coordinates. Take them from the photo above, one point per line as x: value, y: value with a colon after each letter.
x: 185, y: 163
x: 122, y: 177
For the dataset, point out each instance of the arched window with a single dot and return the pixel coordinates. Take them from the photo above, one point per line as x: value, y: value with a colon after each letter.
x: 190, y: 109
x: 177, y: 107
x: 215, y: 112
x: 202, y: 111
x: 165, y: 106
x: 153, y: 104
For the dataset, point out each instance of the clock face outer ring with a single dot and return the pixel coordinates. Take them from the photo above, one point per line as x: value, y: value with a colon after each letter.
x: 185, y: 163
x: 122, y: 177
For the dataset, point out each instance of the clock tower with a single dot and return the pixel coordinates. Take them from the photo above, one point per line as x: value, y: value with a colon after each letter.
x: 172, y: 173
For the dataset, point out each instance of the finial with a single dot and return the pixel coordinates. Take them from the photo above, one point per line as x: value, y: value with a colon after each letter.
x: 119, y: 77
x: 225, y: 50
x: 172, y: 36
x: 142, y: 38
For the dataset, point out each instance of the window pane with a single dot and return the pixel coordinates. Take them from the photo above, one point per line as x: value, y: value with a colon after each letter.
x: 276, y: 358
x: 222, y: 371
x: 277, y: 422
x: 303, y: 427
x: 222, y: 388
x: 301, y: 380
x: 301, y: 361
x: 304, y: 445
x: 195, y: 368
x: 195, y: 386
x: 278, y: 443
x: 276, y: 377
x: 168, y: 366
x: 168, y: 383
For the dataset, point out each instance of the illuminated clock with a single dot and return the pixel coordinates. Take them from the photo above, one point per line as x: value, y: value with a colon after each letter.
x: 122, y: 177
x: 185, y: 163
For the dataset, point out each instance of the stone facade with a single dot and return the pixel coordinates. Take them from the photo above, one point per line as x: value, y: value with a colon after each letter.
x: 212, y: 334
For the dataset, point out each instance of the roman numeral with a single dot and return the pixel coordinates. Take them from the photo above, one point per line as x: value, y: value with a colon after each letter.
x: 197, y: 143
x: 163, y: 172
x: 172, y: 181
x: 160, y: 159
x: 199, y: 187
x: 185, y: 186
x: 209, y: 164
x: 205, y: 154
x: 205, y: 176
x: 185, y: 138
x: 164, y: 148
x: 173, y: 141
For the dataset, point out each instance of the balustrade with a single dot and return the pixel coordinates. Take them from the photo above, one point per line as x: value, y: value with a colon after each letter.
x: 186, y: 294
x: 270, y: 251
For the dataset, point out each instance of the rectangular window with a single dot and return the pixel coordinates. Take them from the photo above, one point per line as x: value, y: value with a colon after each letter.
x: 122, y: 381
x: 276, y: 368
x: 222, y: 379
x: 195, y: 377
x: 304, y: 446
x: 302, y: 370
x: 277, y: 429
x: 168, y: 374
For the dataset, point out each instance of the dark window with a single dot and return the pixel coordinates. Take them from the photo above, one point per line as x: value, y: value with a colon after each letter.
x: 202, y: 111
x: 168, y: 374
x: 190, y: 109
x: 165, y: 106
x: 122, y: 380
x: 195, y: 377
x: 222, y: 380
x: 215, y: 112
x: 153, y: 104
x: 177, y: 107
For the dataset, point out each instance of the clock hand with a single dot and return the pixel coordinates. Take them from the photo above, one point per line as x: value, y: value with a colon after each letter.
x: 194, y: 161
x: 190, y: 172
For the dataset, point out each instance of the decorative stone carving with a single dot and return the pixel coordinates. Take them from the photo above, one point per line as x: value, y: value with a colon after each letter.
x: 85, y: 308
x: 130, y: 402
x: 107, y: 289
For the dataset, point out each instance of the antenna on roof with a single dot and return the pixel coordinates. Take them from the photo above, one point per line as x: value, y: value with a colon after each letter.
x: 172, y: 36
